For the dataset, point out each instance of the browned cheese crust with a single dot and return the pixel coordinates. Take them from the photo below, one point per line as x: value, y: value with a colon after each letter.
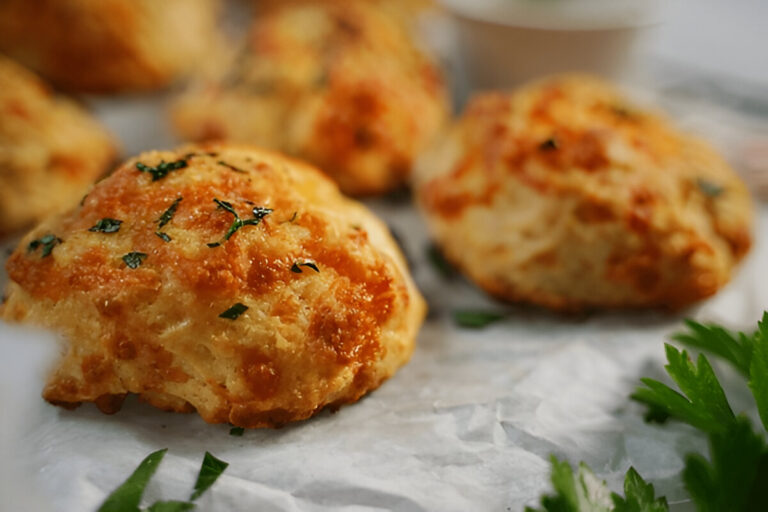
x: 566, y: 195
x: 331, y: 309
x: 51, y: 150
x: 109, y: 45
x: 339, y: 83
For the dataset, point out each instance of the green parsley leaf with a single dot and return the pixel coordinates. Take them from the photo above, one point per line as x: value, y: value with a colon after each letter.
x: 168, y: 214
x: 127, y: 497
x: 550, y: 144
x: 231, y: 167
x: 709, y: 189
x: 296, y: 267
x: 736, y: 477
x: 639, y: 496
x: 210, y: 471
x: 719, y: 341
x: 47, y: 242
x: 580, y: 492
x: 134, y: 259
x: 758, y: 370
x: 234, y: 312
x: 171, y: 506
x: 106, y: 225
x: 162, y: 169
x: 236, y: 431
x: 439, y: 262
x: 258, y: 214
x: 163, y: 236
x: 703, y: 404
x: 476, y: 319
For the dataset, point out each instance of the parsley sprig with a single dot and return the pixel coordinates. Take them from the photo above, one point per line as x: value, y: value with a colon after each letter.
x: 258, y: 214
x: 127, y: 497
x: 583, y: 492
x: 735, y: 475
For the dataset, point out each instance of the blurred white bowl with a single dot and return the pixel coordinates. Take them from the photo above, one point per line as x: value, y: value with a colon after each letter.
x: 503, y: 43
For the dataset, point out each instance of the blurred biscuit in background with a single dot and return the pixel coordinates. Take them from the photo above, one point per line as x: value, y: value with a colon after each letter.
x: 51, y: 150
x: 107, y: 46
x: 566, y: 195
x: 343, y: 84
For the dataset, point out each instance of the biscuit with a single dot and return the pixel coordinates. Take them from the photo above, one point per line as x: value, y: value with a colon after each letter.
x: 218, y: 278
x: 106, y: 46
x: 341, y: 84
x: 566, y: 195
x: 51, y: 150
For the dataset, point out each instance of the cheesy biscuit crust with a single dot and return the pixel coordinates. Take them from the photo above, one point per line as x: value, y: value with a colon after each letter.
x: 218, y: 278
x: 566, y: 195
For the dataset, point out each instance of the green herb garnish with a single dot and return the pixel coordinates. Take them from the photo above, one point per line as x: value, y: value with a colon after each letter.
x: 106, y: 225
x: 734, y: 475
x: 549, y: 145
x: 234, y: 312
x: 709, y: 189
x: 163, y: 236
x: 258, y: 214
x: 231, y: 167
x: 236, y: 431
x: 134, y: 259
x: 583, y: 492
x: 210, y: 471
x: 296, y: 267
x: 439, y: 262
x: 162, y: 169
x: 128, y: 496
x: 47, y: 242
x: 168, y: 214
x: 476, y: 319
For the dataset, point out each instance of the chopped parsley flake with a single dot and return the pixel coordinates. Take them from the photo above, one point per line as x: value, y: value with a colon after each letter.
x: 127, y: 497
x: 258, y: 214
x: 163, y: 236
x: 168, y: 214
x: 210, y: 471
x: 438, y: 261
x: 231, y: 167
x: 709, y: 189
x: 296, y: 267
x: 549, y: 145
x: 162, y: 169
x: 236, y: 431
x: 234, y: 312
x: 476, y: 319
x: 106, y: 225
x: 134, y: 259
x: 48, y: 242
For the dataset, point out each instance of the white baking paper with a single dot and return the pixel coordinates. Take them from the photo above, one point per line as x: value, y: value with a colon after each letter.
x: 467, y: 425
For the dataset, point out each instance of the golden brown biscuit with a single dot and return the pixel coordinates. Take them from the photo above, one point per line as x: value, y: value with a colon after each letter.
x: 339, y: 83
x: 109, y: 45
x: 563, y: 194
x: 51, y: 150
x: 220, y: 278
